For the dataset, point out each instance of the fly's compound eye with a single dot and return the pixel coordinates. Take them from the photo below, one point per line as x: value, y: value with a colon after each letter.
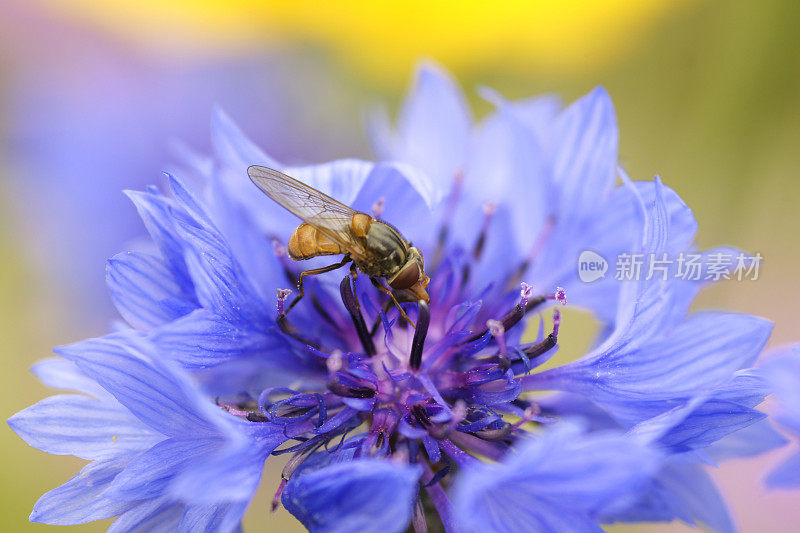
x: 407, y: 276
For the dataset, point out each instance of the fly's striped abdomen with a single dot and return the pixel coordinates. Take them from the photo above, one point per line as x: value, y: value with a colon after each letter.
x: 306, y: 242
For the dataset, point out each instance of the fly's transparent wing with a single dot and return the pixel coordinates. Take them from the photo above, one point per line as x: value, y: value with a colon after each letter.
x: 333, y: 218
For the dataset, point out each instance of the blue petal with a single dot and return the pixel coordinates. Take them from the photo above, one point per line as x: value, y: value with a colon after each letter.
x: 212, y: 518
x: 697, y: 356
x: 233, y: 148
x: 612, y: 229
x: 155, y: 209
x: 61, y: 373
x: 679, y: 491
x: 405, y: 201
x: 783, y: 374
x: 230, y: 473
x: 585, y: 155
x: 219, y: 281
x: 249, y: 243
x: 368, y: 495
x: 69, y: 424
x: 145, y: 291
x: 204, y: 339
x: 433, y: 128
x: 149, y: 474
x: 155, y: 392
x: 786, y: 475
x: 81, y: 499
x: 753, y: 440
x: 558, y: 472
x: 708, y: 423
x: 507, y: 154
x: 538, y: 113
x: 151, y: 515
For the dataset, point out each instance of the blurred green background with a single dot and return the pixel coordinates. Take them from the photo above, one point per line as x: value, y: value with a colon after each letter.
x: 707, y: 94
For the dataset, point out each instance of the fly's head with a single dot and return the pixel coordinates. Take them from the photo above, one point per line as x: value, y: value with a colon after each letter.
x: 410, y: 281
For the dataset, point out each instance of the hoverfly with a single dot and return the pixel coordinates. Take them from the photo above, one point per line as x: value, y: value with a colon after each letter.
x: 331, y: 228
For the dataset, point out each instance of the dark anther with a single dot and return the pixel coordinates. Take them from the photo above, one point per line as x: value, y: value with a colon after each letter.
x: 513, y: 317
x: 350, y: 391
x: 255, y: 416
x: 421, y: 415
x: 522, y: 404
x: 351, y: 303
x: 508, y: 321
x: 423, y: 321
x: 535, y: 302
x: 541, y: 347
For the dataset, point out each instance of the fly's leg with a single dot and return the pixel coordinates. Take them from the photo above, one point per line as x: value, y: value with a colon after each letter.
x: 388, y: 291
x: 314, y: 272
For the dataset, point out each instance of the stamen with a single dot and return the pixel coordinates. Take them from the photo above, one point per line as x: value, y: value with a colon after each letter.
x: 556, y: 323
x: 525, y: 293
x: 292, y: 465
x: 418, y: 343
x: 530, y: 413
x: 334, y: 362
x: 421, y: 415
x: 498, y: 331
x: 377, y: 207
x: 513, y: 317
x: 276, y: 500
x: 350, y: 391
x: 535, y: 302
x: 560, y: 296
x: 278, y: 248
x: 549, y: 342
x: 237, y: 411
x: 282, y: 295
x: 351, y: 303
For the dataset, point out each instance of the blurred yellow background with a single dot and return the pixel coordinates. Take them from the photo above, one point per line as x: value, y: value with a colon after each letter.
x: 707, y: 94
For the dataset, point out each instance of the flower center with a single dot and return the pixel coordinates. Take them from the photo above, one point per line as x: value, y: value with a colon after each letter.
x: 436, y: 392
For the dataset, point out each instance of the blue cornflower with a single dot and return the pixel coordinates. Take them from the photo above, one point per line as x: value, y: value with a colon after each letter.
x: 783, y: 374
x: 386, y: 423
